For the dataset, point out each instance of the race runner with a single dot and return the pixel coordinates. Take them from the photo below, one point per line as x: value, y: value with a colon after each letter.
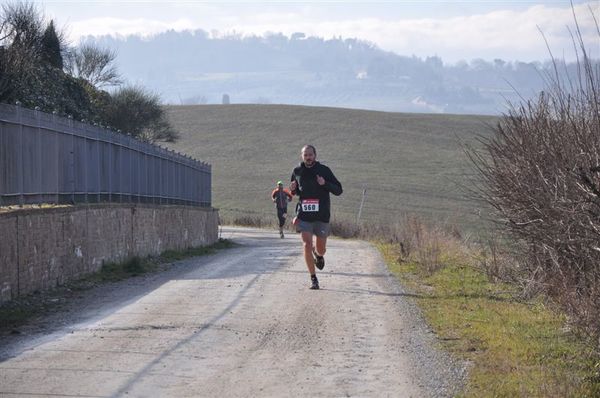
x: 281, y: 197
x: 312, y: 182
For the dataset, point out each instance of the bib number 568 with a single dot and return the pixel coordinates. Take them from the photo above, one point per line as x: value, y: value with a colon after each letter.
x: 310, y: 205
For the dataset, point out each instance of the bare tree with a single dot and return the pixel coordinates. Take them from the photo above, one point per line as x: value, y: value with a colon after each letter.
x: 21, y: 30
x: 29, y: 49
x: 94, y: 64
x: 541, y: 174
x: 22, y: 27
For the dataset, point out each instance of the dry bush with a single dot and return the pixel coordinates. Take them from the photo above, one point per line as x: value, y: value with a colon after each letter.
x: 423, y: 243
x: 541, y: 174
x: 415, y: 240
x: 502, y: 262
x: 429, y: 255
x: 496, y: 264
x: 344, y: 229
x: 250, y: 221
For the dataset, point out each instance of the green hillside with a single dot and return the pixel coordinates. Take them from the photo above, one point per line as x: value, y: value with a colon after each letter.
x: 407, y: 162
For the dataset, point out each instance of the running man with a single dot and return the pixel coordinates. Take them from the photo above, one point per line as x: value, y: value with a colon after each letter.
x: 313, y: 182
x: 281, y: 197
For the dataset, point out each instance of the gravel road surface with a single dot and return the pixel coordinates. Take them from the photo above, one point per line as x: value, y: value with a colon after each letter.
x: 240, y: 323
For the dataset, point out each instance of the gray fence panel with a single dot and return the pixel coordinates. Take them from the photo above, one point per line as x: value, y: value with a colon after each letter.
x: 30, y: 160
x: 114, y: 156
x: 3, y: 172
x: 92, y: 178
x: 80, y: 164
x: 46, y: 158
x: 150, y: 167
x: 48, y: 164
x: 172, y: 180
x: 11, y: 159
x: 65, y: 167
x: 164, y: 179
x: 104, y: 149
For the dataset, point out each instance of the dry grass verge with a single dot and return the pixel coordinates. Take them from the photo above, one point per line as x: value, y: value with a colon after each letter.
x: 518, y: 347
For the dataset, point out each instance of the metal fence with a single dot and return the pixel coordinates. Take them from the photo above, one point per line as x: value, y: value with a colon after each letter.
x: 46, y: 158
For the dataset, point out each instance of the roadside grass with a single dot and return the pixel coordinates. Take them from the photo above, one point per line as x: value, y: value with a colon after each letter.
x: 517, y: 348
x: 18, y: 311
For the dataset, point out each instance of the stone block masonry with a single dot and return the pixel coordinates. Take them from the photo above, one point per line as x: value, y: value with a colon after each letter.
x: 43, y: 248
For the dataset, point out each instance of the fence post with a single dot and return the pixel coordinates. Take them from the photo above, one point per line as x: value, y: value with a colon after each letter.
x: 139, y: 171
x: 121, y: 170
x: 86, y: 168
x: 39, y: 151
x: 130, y: 161
x: 160, y: 182
x: 179, y: 185
x: 2, y: 160
x: 20, y: 172
x: 72, y: 128
x: 110, y: 171
x: 55, y: 155
x: 99, y: 181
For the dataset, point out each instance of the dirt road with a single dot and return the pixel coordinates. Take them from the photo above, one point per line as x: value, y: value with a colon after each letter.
x: 242, y: 323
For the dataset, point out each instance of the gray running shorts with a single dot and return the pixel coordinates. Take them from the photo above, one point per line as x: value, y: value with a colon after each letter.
x: 318, y: 228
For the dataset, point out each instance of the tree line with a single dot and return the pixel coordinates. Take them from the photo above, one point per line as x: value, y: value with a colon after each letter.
x: 198, y: 66
x: 40, y: 70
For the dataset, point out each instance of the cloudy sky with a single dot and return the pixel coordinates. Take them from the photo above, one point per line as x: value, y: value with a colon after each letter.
x: 454, y: 30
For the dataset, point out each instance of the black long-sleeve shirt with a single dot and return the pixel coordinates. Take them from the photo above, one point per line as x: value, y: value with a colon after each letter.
x: 314, y: 198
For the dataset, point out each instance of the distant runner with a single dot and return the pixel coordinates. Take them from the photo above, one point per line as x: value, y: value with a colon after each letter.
x: 281, y: 197
x: 313, y: 182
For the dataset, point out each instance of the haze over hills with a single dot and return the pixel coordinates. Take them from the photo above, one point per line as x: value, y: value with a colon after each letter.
x: 191, y: 67
x: 408, y: 163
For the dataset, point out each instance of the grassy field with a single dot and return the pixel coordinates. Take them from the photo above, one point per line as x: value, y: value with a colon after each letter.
x: 408, y: 163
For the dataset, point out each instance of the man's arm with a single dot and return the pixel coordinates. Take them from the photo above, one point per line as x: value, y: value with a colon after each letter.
x: 294, y: 185
x: 331, y: 183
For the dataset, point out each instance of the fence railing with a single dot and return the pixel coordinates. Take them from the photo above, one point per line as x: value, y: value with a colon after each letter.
x: 46, y: 158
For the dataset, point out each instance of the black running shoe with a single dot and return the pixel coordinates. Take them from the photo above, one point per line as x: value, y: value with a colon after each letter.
x: 314, y: 283
x: 319, y: 261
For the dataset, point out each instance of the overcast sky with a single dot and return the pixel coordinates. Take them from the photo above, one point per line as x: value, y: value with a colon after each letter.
x: 454, y: 30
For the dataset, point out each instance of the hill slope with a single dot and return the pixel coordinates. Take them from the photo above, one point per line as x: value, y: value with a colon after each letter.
x: 406, y: 162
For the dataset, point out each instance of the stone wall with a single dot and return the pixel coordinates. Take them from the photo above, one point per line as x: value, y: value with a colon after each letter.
x: 43, y: 248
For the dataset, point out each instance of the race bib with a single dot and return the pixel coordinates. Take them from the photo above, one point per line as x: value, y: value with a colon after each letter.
x: 310, y: 205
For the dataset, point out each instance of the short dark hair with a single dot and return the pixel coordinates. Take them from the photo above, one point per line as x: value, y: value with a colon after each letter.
x: 311, y: 147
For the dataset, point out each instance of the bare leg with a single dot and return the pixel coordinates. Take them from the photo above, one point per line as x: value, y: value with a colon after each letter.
x: 308, y: 248
x: 321, y: 245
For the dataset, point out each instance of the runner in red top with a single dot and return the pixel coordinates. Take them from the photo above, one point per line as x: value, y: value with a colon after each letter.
x: 281, y: 197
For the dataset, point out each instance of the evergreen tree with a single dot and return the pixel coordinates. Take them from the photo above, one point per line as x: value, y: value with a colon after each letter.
x: 51, y: 47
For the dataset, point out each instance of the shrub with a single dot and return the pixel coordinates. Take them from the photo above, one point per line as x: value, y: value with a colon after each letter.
x: 138, y: 112
x: 541, y: 174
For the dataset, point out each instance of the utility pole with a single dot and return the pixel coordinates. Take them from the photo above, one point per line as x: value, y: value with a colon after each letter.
x: 362, y: 202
